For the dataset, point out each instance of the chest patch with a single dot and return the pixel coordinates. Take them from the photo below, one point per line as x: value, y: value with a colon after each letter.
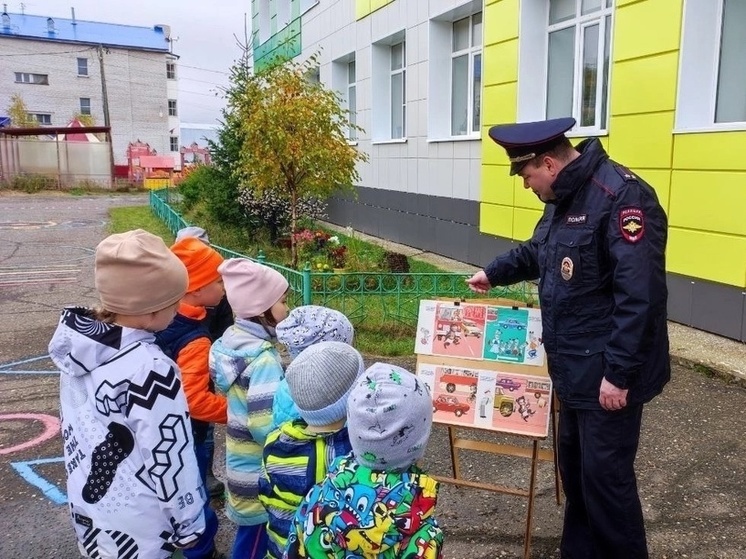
x: 631, y: 224
x: 576, y: 219
x: 566, y: 268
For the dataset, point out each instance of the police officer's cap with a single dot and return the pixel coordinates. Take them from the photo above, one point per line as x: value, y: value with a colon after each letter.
x: 527, y: 140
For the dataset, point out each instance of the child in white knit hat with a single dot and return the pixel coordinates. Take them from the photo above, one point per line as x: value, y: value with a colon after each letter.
x: 299, y: 453
x: 245, y: 366
x: 303, y: 327
x: 132, y: 477
x: 375, y: 502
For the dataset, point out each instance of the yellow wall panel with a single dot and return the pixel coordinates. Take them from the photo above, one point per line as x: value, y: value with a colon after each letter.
x: 646, y: 28
x: 376, y: 4
x: 501, y: 63
x: 643, y: 141
x: 497, y: 185
x: 496, y: 220
x: 499, y: 103
x: 524, y: 223
x: 719, y: 151
x: 525, y: 197
x: 492, y: 154
x: 660, y: 180
x: 362, y: 8
x: 644, y: 85
x: 709, y: 200
x: 710, y: 256
x: 500, y: 21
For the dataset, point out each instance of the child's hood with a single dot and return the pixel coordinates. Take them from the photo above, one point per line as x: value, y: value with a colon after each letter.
x: 81, y: 343
x: 235, y: 350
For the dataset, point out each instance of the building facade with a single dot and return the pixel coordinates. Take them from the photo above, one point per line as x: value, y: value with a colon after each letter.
x: 55, y: 66
x: 661, y: 83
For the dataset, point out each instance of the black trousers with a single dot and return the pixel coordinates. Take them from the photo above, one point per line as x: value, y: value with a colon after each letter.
x: 603, y: 514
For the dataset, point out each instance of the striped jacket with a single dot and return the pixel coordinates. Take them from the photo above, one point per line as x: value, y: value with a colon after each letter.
x: 246, y: 367
x: 295, y: 459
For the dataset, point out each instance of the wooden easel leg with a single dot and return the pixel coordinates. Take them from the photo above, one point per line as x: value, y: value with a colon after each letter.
x: 555, y: 445
x: 454, y: 457
x: 531, y: 494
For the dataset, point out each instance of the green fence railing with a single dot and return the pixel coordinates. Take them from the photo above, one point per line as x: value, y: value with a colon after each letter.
x: 385, y: 297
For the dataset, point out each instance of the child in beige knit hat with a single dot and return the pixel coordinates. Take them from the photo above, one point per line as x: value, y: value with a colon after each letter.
x: 128, y: 452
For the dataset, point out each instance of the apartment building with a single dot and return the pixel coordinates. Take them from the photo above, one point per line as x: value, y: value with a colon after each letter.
x: 61, y: 68
x: 661, y: 83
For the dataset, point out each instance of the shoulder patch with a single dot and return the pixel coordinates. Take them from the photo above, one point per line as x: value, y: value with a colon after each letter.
x: 631, y: 224
x: 625, y: 173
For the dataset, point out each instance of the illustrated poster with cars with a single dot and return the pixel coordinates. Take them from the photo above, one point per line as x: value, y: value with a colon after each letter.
x: 479, y: 331
x: 506, y: 402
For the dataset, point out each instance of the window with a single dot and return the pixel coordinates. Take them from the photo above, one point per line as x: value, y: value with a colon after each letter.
x: 389, y: 89
x: 575, y: 45
x: 36, y: 79
x: 174, y: 143
x: 85, y: 105
x: 466, y: 75
x: 712, y: 66
x: 398, y: 91
x: 170, y: 71
x: 352, y: 99
x: 82, y: 66
x: 44, y: 119
x: 172, y: 108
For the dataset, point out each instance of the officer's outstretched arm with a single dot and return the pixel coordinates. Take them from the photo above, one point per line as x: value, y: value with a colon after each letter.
x: 522, y: 262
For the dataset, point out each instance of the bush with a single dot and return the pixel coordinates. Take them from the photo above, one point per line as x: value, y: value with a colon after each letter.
x: 219, y: 193
x: 32, y: 183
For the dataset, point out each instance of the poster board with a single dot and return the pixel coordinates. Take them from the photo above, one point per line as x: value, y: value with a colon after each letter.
x: 484, y: 363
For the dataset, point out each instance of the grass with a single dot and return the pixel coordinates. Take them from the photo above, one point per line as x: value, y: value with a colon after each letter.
x: 138, y: 217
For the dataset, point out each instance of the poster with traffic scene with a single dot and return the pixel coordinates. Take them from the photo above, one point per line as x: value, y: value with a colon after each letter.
x: 513, y: 335
x: 479, y: 331
x: 505, y: 402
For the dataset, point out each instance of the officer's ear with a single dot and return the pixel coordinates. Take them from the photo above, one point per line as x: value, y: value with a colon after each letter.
x: 552, y: 165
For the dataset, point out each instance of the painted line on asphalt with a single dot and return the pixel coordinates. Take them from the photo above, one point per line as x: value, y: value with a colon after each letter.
x: 23, y: 361
x: 11, y: 368
x: 26, y: 471
x: 51, y: 428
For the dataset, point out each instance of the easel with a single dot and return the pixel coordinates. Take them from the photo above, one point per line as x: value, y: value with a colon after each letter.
x: 533, y: 452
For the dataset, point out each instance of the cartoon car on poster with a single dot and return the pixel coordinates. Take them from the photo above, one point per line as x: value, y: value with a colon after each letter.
x: 471, y: 328
x: 450, y: 403
x: 511, y: 323
x: 504, y: 404
x: 508, y: 384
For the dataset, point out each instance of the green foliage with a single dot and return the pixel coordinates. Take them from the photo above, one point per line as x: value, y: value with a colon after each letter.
x: 19, y: 115
x: 127, y: 218
x: 293, y: 135
x: 31, y: 183
x: 217, y: 190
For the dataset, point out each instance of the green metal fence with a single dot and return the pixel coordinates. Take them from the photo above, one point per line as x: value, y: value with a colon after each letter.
x: 383, y: 297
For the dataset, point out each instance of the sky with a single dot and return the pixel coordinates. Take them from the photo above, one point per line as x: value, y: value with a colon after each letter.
x: 203, y: 38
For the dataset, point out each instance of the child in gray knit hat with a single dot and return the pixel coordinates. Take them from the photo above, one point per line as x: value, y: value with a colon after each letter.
x: 303, y: 327
x: 299, y: 453
x: 389, y: 418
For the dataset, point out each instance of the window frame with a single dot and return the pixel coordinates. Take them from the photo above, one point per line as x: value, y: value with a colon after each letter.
x: 471, y: 52
x: 47, y: 117
x: 173, y: 107
x: 170, y: 70
x: 352, y: 87
x: 27, y: 78
x: 394, y: 72
x: 82, y: 110
x: 171, y: 144
x: 84, y: 74
x: 581, y: 22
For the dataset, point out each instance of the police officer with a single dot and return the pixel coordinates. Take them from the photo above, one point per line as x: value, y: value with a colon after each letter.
x: 599, y: 254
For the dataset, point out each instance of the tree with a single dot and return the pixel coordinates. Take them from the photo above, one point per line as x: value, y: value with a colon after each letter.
x: 19, y: 115
x: 85, y: 120
x: 293, y: 135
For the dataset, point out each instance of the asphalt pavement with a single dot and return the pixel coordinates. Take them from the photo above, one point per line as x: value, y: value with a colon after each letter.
x: 691, y: 463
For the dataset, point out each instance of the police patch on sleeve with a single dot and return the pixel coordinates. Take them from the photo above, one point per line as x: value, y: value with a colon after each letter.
x: 631, y: 224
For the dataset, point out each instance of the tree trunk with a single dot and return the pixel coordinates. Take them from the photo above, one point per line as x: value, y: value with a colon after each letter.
x: 293, y: 225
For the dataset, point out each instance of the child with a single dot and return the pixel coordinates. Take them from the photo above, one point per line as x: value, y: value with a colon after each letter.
x: 133, y: 485
x: 374, y: 502
x: 217, y: 321
x: 246, y: 367
x: 187, y: 341
x: 299, y: 453
x: 303, y: 327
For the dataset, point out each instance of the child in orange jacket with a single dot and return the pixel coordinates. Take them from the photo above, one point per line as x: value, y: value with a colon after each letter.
x: 187, y: 341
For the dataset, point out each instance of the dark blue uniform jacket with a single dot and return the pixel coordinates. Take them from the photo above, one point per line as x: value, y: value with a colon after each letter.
x: 599, y: 254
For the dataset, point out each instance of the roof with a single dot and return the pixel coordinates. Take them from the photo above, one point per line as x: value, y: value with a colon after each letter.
x: 156, y: 162
x: 25, y: 26
x: 52, y: 130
